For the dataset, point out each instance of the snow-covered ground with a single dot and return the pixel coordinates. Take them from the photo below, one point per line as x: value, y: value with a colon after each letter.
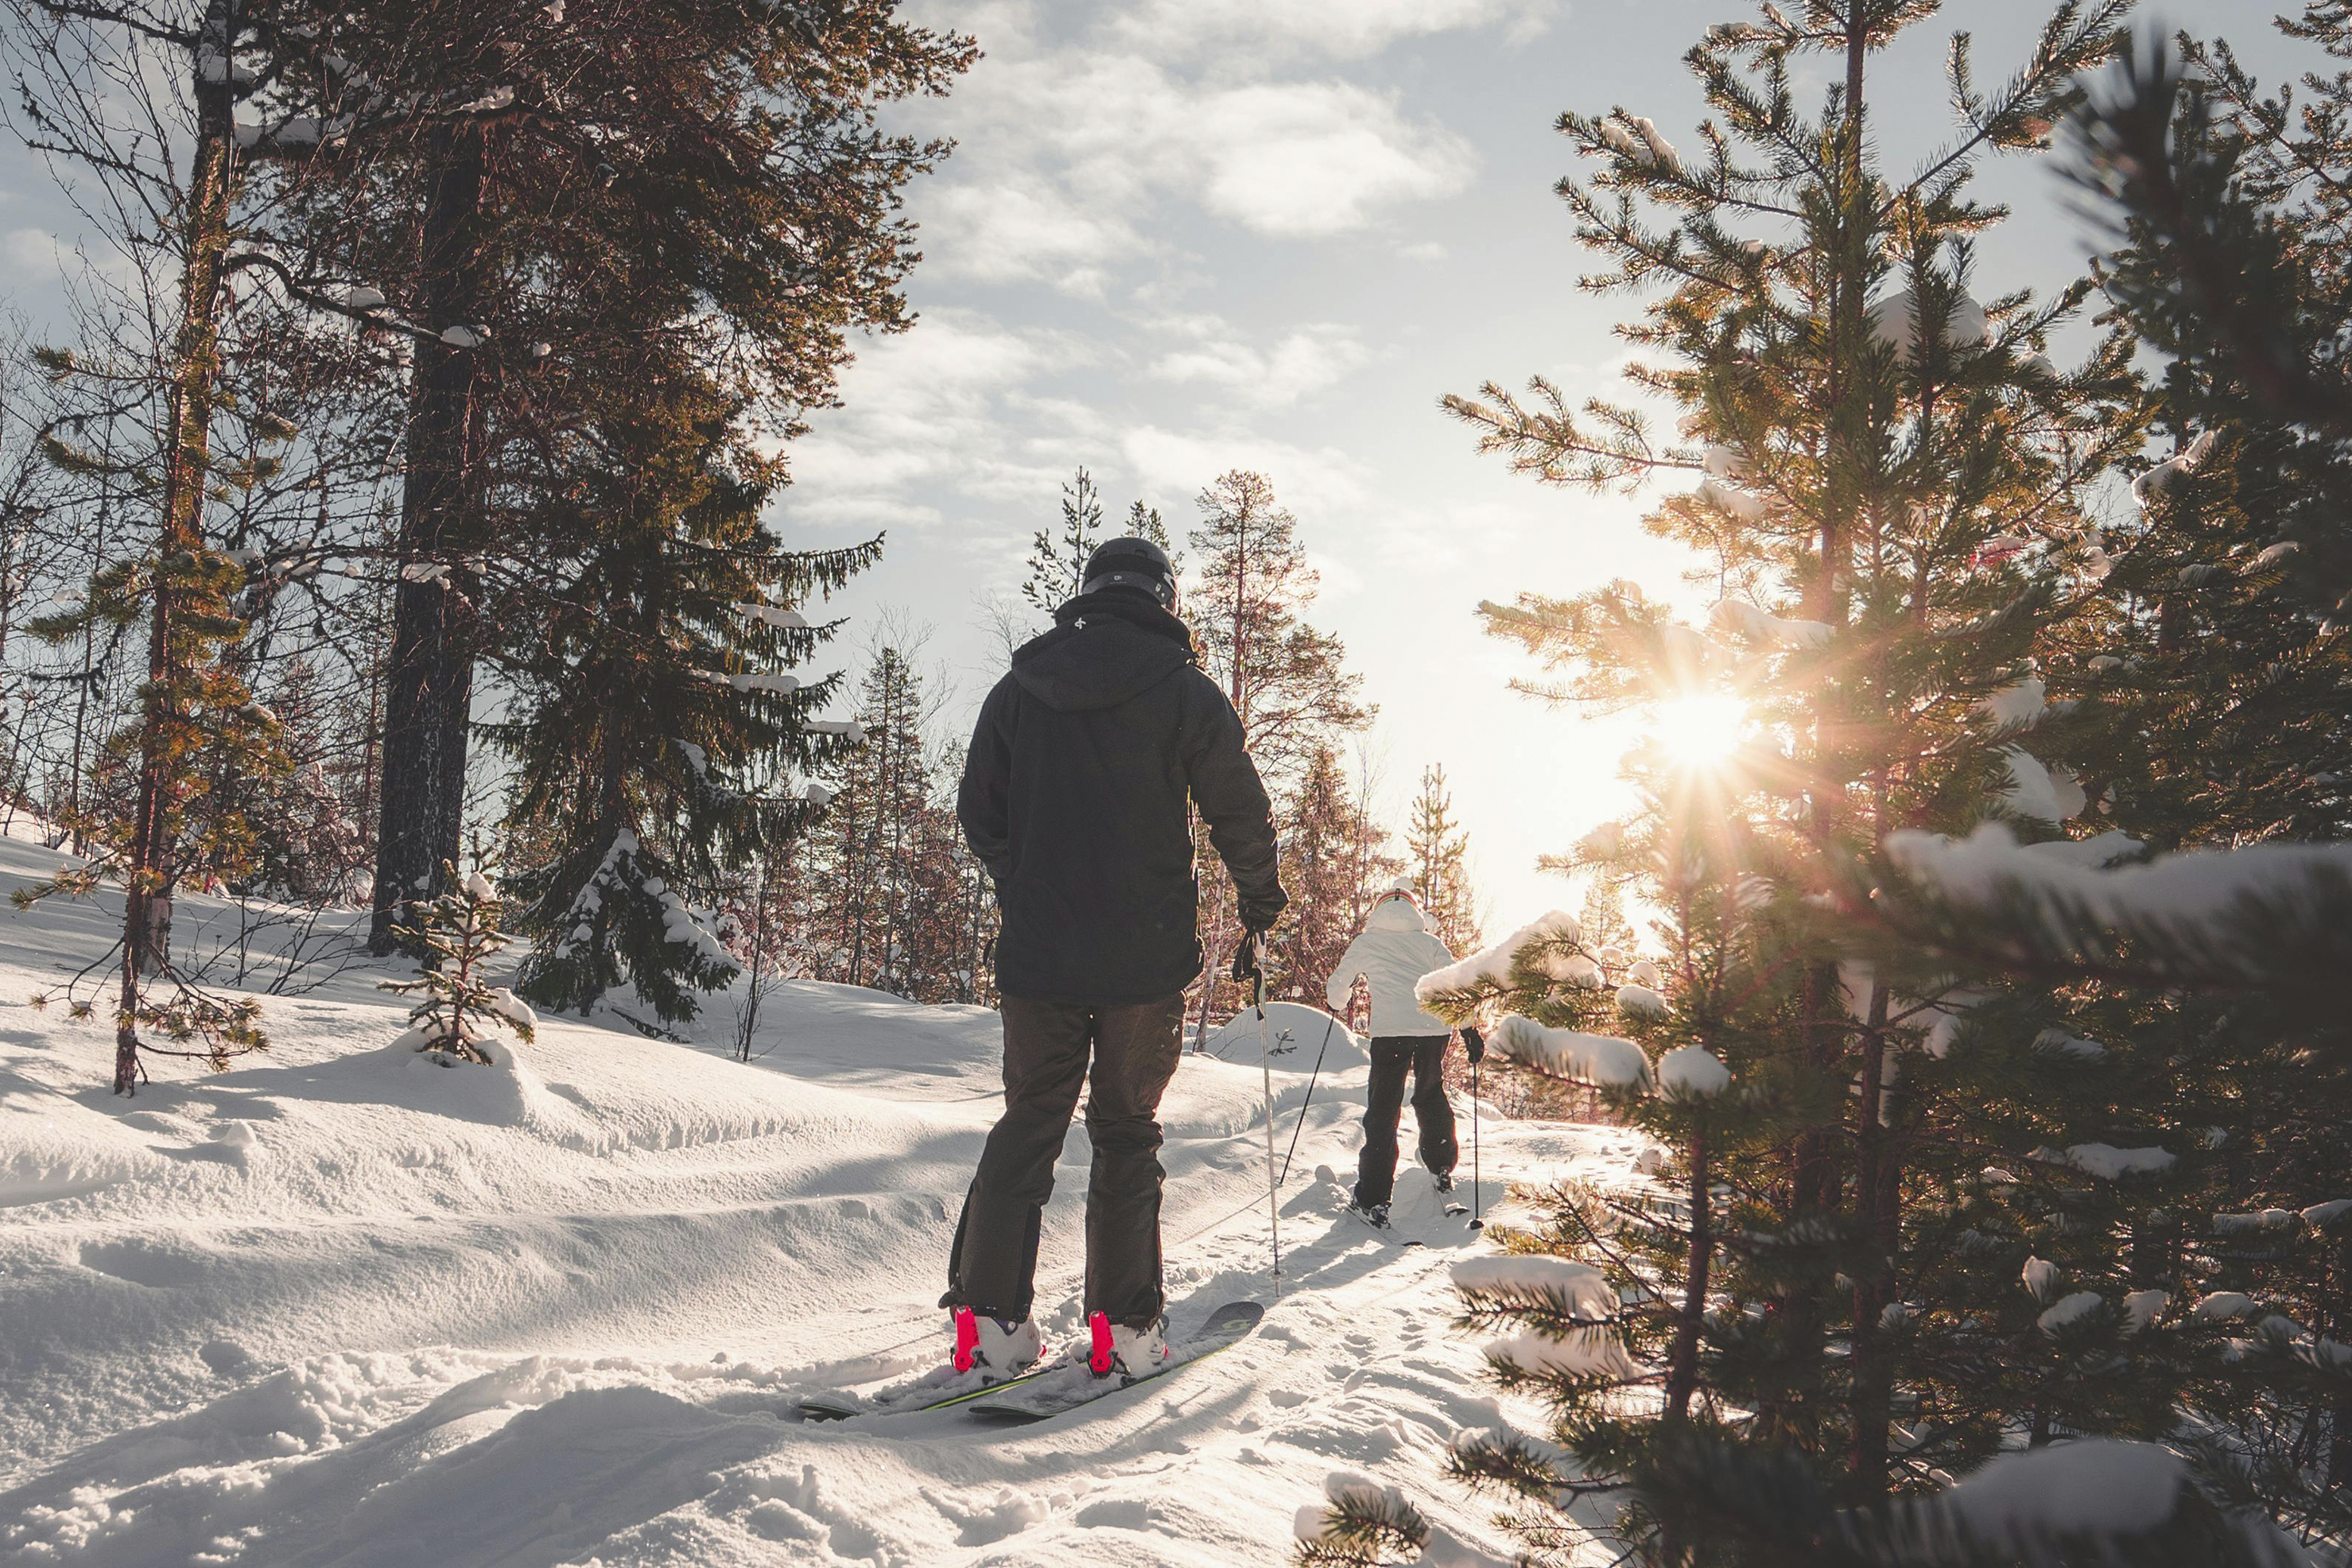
x: 345, y: 1306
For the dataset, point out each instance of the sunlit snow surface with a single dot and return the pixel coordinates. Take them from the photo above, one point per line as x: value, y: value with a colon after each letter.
x: 343, y: 1305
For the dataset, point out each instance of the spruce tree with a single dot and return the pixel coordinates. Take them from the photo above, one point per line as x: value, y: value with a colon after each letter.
x: 457, y: 1010
x: 661, y: 739
x: 876, y: 834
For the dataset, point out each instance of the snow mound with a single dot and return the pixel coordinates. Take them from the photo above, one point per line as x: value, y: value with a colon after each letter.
x: 1297, y: 1034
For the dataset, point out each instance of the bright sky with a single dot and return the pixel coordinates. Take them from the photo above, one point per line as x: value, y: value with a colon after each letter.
x: 1184, y: 236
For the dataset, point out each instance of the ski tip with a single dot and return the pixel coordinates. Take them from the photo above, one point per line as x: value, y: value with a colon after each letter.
x: 819, y: 1410
x: 1235, y: 1316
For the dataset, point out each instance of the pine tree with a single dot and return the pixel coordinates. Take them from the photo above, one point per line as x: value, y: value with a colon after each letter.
x: 1333, y: 866
x: 1437, y: 858
x: 1896, y: 492
x: 458, y: 1011
x: 196, y: 721
x: 876, y: 833
x: 1058, y: 563
x: 1283, y: 678
x: 2201, y: 727
x: 1253, y: 588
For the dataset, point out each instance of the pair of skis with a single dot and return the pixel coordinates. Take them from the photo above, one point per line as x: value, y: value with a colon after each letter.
x: 1046, y: 1391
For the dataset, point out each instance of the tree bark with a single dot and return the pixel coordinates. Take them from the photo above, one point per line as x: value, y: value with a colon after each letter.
x: 1682, y: 1361
x: 429, y: 686
x: 195, y: 365
x: 1873, y: 1381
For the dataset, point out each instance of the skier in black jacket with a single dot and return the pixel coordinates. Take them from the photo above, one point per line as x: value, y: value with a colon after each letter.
x: 1075, y: 798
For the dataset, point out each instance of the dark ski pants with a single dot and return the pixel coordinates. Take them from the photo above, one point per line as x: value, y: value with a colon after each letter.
x: 1048, y: 1047
x: 1393, y: 1055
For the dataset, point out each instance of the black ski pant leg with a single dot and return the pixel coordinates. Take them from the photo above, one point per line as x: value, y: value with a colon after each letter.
x: 1383, y: 1104
x: 1439, y: 1151
x: 993, y: 1268
x: 1136, y: 1052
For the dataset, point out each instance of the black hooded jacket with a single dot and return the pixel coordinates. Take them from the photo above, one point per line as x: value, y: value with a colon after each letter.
x: 1074, y: 797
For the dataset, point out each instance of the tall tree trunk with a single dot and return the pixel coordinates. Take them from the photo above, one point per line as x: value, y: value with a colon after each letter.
x: 1874, y: 1382
x: 430, y: 684
x: 1682, y: 1361
x: 196, y: 363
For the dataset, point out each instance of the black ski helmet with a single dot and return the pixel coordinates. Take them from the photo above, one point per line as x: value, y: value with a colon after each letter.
x: 1131, y: 562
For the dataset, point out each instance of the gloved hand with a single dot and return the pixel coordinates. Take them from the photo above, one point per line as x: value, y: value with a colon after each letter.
x: 1245, y: 968
x: 1474, y: 1042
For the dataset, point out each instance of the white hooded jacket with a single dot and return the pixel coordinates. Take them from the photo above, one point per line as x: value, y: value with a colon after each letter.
x: 1396, y: 948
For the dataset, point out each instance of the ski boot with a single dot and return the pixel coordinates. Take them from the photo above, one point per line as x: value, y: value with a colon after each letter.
x: 996, y: 1349
x: 1441, y: 1180
x: 1129, y: 1353
x: 1373, y: 1214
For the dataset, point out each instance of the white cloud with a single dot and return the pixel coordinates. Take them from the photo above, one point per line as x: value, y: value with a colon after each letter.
x: 1069, y: 158
x: 940, y: 409
x: 1316, y: 158
x: 1023, y: 227
x: 1304, y: 362
x: 26, y: 252
x: 1346, y: 28
x: 1323, y: 485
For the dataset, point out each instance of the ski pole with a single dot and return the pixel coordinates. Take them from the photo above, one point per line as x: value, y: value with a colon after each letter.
x: 1477, y: 1206
x: 1265, y: 1069
x: 1300, y: 1126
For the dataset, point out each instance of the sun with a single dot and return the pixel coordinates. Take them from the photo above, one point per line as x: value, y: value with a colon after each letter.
x: 1697, y: 731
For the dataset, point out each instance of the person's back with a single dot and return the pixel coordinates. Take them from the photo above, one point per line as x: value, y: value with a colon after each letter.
x: 1395, y: 948
x: 1077, y: 794
x: 1074, y: 799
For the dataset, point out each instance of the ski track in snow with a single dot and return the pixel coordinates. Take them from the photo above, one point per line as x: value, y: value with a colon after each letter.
x: 344, y: 1306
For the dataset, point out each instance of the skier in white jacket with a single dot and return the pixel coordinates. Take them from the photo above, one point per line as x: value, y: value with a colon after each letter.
x: 1396, y: 948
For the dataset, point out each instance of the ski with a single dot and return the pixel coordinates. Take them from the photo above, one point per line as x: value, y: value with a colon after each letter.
x: 1454, y: 1211
x: 907, y: 1399
x: 1226, y: 1327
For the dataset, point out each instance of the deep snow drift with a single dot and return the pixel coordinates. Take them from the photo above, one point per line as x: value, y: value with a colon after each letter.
x: 344, y: 1305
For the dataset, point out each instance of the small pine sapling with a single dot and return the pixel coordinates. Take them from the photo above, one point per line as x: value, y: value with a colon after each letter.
x: 457, y: 1011
x: 1360, y: 1525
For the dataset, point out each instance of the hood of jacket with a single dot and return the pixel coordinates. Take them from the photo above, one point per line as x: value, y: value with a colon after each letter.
x: 1105, y: 649
x: 1396, y: 912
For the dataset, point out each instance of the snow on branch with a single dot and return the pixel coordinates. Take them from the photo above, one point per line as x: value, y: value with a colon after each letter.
x: 1549, y: 948
x: 1740, y: 618
x: 2161, y: 478
x: 2274, y: 914
x: 1601, y: 1060
x: 752, y: 681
